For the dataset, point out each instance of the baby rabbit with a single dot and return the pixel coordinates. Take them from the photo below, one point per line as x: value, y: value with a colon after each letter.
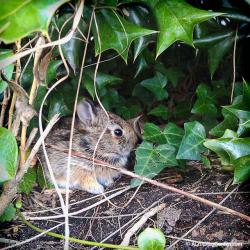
x: 115, y: 147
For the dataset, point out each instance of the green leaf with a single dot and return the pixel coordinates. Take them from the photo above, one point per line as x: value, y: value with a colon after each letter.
x: 102, y: 81
x: 8, y: 70
x: 205, y: 102
x: 141, y: 64
x: 192, y: 141
x: 18, y: 204
x: 205, y: 161
x: 173, y: 134
x: 28, y: 181
x: 140, y: 16
x: 229, y: 149
x: 151, y: 160
x: 154, y: 134
x: 146, y: 97
x: 217, y: 52
x: 159, y: 111
x: 242, y: 169
x: 73, y: 49
x: 151, y: 239
x: 229, y: 122
x: 9, y: 213
x: 20, y: 18
x: 174, y: 74
x: 116, y: 33
x: 241, y: 109
x: 157, y: 86
x: 8, y: 155
x: 41, y: 92
x: 52, y: 71
x: 112, y: 99
x: 176, y: 20
x: 58, y: 104
x: 129, y: 112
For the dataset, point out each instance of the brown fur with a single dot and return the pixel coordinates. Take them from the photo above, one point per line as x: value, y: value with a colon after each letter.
x: 112, y: 149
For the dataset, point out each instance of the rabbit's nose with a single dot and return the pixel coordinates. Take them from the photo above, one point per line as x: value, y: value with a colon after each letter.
x: 139, y: 140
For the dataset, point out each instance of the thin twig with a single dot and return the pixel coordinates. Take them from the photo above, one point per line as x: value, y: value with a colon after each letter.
x: 81, y: 210
x: 140, y: 223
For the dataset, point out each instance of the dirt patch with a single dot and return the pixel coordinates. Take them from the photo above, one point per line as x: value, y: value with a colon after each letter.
x: 110, y: 221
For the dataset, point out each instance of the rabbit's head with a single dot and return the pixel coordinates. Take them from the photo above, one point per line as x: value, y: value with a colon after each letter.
x: 115, y: 143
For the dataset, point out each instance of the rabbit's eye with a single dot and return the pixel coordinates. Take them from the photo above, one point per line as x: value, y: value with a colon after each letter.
x: 118, y: 132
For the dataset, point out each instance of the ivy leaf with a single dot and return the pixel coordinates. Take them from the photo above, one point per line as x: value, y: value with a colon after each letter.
x: 242, y: 169
x: 217, y: 52
x: 192, y: 142
x: 156, y: 86
x: 173, y: 134
x: 205, y: 102
x: 147, y: 96
x: 58, y: 104
x: 20, y: 18
x: 141, y: 65
x: 8, y: 70
x: 9, y: 213
x: 229, y: 122
x: 159, y: 111
x: 140, y: 16
x: 176, y: 20
x: 28, y: 181
x: 153, y: 133
x: 241, y: 109
x: 129, y: 112
x: 52, y: 70
x: 73, y: 49
x: 116, y: 33
x: 102, y: 80
x: 233, y: 147
x: 151, y: 239
x: 174, y: 74
x: 8, y: 155
x: 151, y: 160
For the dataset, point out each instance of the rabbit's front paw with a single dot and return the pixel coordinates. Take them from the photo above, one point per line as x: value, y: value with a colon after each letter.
x: 105, y: 181
x: 91, y: 185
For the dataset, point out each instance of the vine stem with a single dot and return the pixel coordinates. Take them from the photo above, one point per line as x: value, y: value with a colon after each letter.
x: 75, y: 240
x: 157, y: 183
x: 234, y: 66
x: 14, y: 97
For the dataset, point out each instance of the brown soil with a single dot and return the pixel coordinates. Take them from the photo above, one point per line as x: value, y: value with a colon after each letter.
x: 182, y: 213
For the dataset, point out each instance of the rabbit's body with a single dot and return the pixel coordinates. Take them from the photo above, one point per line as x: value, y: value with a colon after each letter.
x: 115, y: 147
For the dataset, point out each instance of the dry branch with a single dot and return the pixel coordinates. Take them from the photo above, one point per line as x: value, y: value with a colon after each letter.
x: 140, y: 223
x: 159, y: 184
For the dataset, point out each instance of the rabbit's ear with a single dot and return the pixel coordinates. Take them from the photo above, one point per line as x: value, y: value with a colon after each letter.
x: 86, y: 112
x: 135, y: 122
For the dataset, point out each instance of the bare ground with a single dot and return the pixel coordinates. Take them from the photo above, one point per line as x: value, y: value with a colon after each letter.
x: 111, y: 220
